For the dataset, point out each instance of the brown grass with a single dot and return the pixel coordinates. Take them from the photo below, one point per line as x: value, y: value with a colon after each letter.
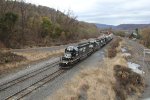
x: 112, y: 50
x: 37, y: 55
x: 92, y: 84
x: 8, y: 57
x: 89, y: 85
x: 12, y: 61
x: 128, y: 82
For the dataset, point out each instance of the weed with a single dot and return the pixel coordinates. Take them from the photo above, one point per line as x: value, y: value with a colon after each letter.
x: 8, y: 57
x: 112, y: 51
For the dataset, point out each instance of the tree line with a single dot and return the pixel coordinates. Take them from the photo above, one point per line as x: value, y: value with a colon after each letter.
x: 24, y: 24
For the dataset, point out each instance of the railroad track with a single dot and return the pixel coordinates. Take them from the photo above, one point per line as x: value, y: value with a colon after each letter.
x: 26, y: 91
x: 148, y: 64
x: 139, y: 54
x: 9, y: 84
x: 138, y: 50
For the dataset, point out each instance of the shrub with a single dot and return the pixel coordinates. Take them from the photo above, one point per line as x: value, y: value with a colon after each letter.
x: 129, y: 82
x: 112, y: 49
x: 7, y: 57
x: 145, y: 36
x: 112, y: 52
x: 120, y: 33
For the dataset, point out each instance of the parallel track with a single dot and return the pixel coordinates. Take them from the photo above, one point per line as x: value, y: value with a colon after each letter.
x: 138, y: 50
x: 21, y: 94
x: 139, y: 53
x: 27, y: 76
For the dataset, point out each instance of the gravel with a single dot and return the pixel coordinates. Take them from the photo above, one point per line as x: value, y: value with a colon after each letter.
x: 137, y: 57
x: 52, y: 87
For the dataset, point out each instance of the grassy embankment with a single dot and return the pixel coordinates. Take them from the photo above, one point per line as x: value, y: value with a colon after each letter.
x: 10, y: 61
x: 112, y: 80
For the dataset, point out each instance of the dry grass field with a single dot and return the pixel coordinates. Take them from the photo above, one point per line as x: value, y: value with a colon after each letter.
x: 37, y: 55
x: 10, y: 61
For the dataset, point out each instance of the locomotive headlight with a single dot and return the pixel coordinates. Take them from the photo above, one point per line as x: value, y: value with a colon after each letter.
x: 67, y: 55
x: 91, y: 46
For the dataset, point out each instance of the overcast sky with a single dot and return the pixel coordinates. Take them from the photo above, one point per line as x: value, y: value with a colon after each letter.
x: 103, y: 11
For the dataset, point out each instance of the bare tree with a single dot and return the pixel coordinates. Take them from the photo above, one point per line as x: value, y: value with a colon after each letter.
x: 146, y: 36
x: 3, y: 6
x: 7, y: 5
x: 23, y: 8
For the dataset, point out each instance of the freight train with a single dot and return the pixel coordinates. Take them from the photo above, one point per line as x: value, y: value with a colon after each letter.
x: 75, y: 54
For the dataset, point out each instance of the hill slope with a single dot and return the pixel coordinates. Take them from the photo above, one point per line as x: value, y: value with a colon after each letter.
x: 132, y: 26
x: 103, y: 26
x: 123, y: 26
x: 26, y: 25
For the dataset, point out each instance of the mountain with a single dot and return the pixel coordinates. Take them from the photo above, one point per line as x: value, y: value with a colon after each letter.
x: 132, y: 26
x: 122, y: 26
x: 104, y: 26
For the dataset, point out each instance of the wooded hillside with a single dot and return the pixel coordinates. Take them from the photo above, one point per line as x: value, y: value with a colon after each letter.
x: 26, y: 25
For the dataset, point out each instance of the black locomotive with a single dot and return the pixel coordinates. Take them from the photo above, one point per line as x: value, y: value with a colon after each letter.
x: 74, y: 54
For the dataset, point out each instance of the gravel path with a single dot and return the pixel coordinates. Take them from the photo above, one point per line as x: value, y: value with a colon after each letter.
x: 137, y: 57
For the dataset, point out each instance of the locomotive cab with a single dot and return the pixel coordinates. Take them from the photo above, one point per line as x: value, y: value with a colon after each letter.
x: 71, y: 52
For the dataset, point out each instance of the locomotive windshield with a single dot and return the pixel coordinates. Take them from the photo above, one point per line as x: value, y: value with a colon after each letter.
x: 67, y: 55
x: 70, y: 53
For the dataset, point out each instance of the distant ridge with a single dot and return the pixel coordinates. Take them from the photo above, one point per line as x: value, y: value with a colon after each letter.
x: 132, y: 26
x: 103, y: 26
x: 123, y: 26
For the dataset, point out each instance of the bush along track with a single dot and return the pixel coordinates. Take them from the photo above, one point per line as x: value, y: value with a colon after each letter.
x: 8, y: 60
x: 8, y: 57
x: 128, y: 82
x: 112, y: 50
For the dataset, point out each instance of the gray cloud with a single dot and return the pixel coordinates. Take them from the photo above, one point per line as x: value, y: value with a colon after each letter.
x: 104, y: 11
x: 120, y: 12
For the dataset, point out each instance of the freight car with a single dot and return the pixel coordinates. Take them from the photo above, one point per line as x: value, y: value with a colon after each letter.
x: 74, y: 54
